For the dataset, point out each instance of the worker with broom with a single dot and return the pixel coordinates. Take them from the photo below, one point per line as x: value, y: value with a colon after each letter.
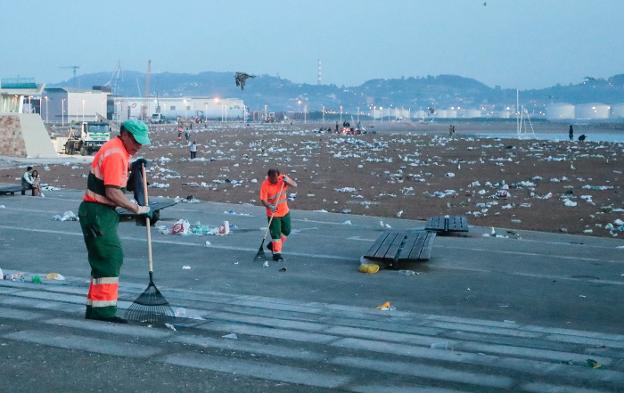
x: 273, y: 195
x: 99, y: 220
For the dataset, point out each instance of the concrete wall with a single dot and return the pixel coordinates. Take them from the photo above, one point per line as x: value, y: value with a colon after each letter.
x: 11, y: 139
x: 24, y: 135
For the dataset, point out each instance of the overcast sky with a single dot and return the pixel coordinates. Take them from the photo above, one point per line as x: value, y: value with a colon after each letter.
x: 511, y: 43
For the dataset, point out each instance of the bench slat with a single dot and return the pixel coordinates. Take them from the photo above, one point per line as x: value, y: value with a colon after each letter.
x: 372, y: 250
x: 385, y: 246
x: 394, y: 248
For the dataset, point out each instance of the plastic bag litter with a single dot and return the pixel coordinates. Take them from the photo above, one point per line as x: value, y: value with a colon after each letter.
x: 231, y: 336
x: 67, y: 216
x: 370, y: 268
x: 386, y: 306
x: 55, y: 276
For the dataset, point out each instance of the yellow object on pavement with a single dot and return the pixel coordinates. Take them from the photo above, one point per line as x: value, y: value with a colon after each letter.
x: 369, y: 268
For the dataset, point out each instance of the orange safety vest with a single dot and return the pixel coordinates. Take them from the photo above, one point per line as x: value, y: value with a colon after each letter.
x: 108, y: 169
x: 270, y: 193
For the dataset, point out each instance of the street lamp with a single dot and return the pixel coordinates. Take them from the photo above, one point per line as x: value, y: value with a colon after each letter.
x: 46, y: 104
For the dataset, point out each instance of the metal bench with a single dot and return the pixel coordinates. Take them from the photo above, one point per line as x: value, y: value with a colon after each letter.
x: 156, y: 207
x: 10, y: 189
x: 396, y: 247
x: 446, y: 224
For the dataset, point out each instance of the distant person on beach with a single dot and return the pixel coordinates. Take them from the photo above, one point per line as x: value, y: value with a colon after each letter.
x: 193, y: 149
x: 571, y: 133
x: 451, y: 130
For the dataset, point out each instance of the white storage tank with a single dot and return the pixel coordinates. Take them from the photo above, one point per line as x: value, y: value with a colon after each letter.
x: 560, y: 111
x: 617, y: 111
x: 446, y: 113
x: 593, y: 111
x: 471, y: 113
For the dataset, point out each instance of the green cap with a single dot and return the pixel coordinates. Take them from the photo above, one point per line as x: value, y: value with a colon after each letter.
x: 138, y: 129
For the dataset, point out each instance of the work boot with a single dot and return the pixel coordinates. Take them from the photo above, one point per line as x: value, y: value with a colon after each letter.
x: 277, y: 257
x: 114, y: 319
x: 270, y: 246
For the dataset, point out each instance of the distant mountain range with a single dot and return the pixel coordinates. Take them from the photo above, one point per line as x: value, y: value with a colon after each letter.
x: 442, y: 91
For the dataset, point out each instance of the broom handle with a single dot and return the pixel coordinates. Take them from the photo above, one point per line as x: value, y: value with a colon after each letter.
x: 273, y: 214
x: 150, y: 262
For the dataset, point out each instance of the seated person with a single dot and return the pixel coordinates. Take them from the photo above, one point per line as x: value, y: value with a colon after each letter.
x: 36, y: 185
x: 27, y: 181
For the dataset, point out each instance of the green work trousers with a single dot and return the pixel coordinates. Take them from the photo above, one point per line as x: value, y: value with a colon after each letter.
x: 99, y: 228
x: 280, y: 226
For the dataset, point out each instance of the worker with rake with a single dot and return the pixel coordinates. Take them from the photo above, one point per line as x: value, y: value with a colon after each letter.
x: 274, y: 196
x: 99, y: 220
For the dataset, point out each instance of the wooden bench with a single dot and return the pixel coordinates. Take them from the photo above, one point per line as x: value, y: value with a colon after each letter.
x: 394, y: 247
x: 10, y: 189
x: 156, y: 207
x: 446, y: 224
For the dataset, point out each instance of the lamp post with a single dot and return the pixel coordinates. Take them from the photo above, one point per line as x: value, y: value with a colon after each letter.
x: 46, y: 104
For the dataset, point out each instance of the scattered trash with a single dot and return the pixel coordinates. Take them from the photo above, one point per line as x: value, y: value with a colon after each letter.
x: 181, y: 227
x: 67, y: 216
x: 35, y: 279
x: 409, y: 273
x: 186, y: 267
x: 369, y: 268
x: 170, y: 326
x: 265, y: 264
x: 593, y: 364
x: 386, y: 306
x: 207, y: 244
x: 231, y: 336
x: 235, y: 213
x: 55, y: 276
x: 347, y: 222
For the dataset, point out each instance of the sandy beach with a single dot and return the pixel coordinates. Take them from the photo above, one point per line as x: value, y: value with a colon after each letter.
x: 509, y: 183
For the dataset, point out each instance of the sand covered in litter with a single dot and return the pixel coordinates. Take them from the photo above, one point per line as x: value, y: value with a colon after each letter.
x: 552, y: 186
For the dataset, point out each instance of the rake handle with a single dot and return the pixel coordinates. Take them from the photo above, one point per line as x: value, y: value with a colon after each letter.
x: 150, y: 261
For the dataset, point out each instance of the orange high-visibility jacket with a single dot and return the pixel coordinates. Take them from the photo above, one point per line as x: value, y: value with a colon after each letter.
x: 108, y: 169
x: 270, y: 193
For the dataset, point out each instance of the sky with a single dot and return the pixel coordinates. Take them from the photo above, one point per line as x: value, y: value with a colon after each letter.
x: 511, y: 43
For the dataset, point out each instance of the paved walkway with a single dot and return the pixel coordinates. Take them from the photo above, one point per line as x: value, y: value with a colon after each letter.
x: 484, y: 315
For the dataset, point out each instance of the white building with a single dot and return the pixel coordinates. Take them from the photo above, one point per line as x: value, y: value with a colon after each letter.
x: 593, y: 111
x: 225, y: 109
x: 64, y: 105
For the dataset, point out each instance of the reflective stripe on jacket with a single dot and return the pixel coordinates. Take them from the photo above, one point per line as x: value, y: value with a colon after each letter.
x: 109, y: 168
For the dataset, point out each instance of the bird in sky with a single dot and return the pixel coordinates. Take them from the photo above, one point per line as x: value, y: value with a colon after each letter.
x: 240, y: 78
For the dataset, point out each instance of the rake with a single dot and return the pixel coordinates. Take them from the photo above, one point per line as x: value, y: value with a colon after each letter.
x: 260, y: 255
x: 151, y: 306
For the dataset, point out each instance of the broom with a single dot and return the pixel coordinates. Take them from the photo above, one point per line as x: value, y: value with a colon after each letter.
x: 260, y: 254
x: 151, y: 306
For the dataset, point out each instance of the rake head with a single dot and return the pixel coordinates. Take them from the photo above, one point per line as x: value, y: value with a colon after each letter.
x: 260, y: 255
x: 151, y: 307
